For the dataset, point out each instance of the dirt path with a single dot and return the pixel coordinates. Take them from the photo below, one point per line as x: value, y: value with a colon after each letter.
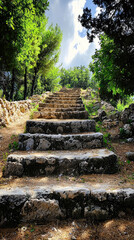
x: 9, y: 135
x: 115, y: 229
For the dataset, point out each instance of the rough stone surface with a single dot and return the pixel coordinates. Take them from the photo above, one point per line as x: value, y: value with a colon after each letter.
x: 130, y: 156
x: 13, y: 169
x: 40, y: 210
x: 67, y: 163
x: 10, y: 111
x: 60, y: 127
x: 41, y: 205
x: 61, y: 114
x: 128, y: 114
x: 130, y: 140
x: 60, y: 142
x: 62, y: 105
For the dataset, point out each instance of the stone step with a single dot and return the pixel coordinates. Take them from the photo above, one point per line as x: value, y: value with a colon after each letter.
x: 61, y: 115
x: 57, y: 105
x: 66, y: 98
x: 61, y: 109
x: 38, y: 202
x: 61, y: 95
x: 42, y: 142
x: 71, y: 163
x: 66, y: 94
x: 60, y: 101
x: 56, y: 127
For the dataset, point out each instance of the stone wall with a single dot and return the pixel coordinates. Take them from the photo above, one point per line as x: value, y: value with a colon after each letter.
x: 11, y: 111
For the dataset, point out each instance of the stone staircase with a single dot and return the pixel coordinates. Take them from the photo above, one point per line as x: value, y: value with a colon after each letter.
x: 54, y: 148
x: 65, y: 104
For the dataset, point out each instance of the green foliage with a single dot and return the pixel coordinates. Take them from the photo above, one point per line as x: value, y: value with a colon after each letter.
x: 29, y: 49
x: 5, y: 155
x: 1, y: 93
x: 121, y: 105
x: 75, y: 77
x: 50, y: 82
x: 13, y: 146
x: 105, y: 70
x: 116, y: 20
x: 89, y: 106
x: 35, y: 109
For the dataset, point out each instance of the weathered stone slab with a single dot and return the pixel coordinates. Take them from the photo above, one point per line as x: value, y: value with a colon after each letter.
x: 60, y: 127
x: 61, y: 115
x: 66, y: 163
x: 66, y: 98
x: 58, y: 105
x: 61, y: 109
x: 60, y: 101
x: 42, y: 142
x: 48, y: 203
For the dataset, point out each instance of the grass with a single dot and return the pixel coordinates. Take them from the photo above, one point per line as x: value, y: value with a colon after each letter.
x: 1, y: 92
x: 35, y: 109
x: 121, y: 105
x: 5, y: 155
x: 13, y: 146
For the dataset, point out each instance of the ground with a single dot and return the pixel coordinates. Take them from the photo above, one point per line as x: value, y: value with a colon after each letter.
x: 122, y: 229
x: 70, y: 230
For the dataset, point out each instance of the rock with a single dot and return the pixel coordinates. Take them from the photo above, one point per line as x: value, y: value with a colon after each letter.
x: 9, y: 111
x: 101, y: 114
x: 36, y: 115
x: 126, y: 131
x: 76, y: 213
x: 116, y: 116
x: 60, y: 127
x: 73, y: 238
x: 13, y: 169
x: 29, y: 144
x: 47, y: 209
x: 60, y: 142
x: 128, y: 114
x: 108, y: 123
x: 130, y: 156
x: 95, y: 213
x: 130, y: 140
x: 108, y: 107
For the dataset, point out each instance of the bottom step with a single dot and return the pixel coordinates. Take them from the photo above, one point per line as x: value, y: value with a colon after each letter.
x: 39, y: 204
x: 61, y: 162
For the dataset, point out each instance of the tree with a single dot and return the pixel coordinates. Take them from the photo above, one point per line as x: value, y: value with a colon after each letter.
x: 20, y: 22
x: 49, y: 52
x: 116, y: 20
x: 75, y: 77
x: 105, y: 71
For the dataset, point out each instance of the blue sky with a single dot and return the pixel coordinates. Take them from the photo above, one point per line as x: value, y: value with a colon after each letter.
x: 75, y: 48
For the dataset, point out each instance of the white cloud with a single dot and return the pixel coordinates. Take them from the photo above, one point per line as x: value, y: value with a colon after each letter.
x: 75, y: 48
x: 98, y: 11
x: 77, y: 44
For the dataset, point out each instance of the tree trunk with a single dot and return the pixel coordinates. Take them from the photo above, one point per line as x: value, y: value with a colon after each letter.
x: 33, y: 82
x: 25, y: 83
x: 12, y: 84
